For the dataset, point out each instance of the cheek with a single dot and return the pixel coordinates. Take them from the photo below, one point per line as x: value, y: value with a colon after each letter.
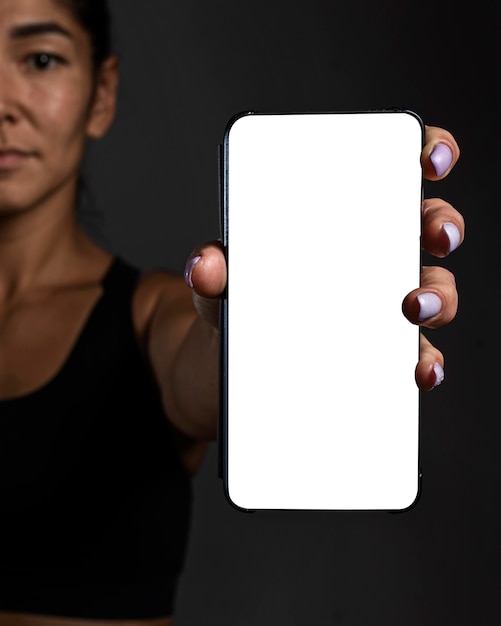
x: 63, y: 114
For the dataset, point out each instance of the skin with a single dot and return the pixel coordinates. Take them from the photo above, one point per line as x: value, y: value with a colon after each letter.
x: 50, y: 271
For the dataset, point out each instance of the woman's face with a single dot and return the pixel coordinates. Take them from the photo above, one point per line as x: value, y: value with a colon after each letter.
x: 50, y: 101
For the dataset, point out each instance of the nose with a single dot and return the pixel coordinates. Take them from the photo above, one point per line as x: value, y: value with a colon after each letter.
x: 8, y: 96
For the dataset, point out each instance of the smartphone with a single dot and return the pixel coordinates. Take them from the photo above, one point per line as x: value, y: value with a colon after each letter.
x: 321, y: 223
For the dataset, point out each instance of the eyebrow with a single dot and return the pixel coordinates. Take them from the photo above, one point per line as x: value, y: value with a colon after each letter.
x: 39, y: 28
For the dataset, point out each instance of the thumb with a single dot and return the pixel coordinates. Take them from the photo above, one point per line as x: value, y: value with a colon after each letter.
x: 205, y: 270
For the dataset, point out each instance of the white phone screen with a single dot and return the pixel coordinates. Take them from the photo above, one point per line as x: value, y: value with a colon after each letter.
x: 322, y: 219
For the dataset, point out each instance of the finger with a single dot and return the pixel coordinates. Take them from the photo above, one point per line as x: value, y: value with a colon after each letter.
x: 435, y: 302
x: 205, y: 270
x: 430, y: 369
x: 440, y: 153
x: 443, y: 227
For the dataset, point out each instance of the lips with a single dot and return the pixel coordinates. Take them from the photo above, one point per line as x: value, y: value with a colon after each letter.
x: 12, y: 158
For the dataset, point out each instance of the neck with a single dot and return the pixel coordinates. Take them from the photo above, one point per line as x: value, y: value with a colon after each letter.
x: 38, y: 246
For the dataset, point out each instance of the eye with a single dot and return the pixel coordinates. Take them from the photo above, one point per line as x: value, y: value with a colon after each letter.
x: 43, y: 61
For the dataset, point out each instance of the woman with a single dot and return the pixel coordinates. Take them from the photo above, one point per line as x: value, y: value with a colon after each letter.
x: 108, y: 378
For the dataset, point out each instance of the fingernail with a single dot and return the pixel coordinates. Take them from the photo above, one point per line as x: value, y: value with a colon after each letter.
x: 188, y: 270
x: 453, y: 234
x: 441, y: 157
x: 439, y: 374
x: 429, y: 305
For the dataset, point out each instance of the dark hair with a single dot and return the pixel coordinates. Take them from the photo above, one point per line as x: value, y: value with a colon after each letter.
x: 94, y: 17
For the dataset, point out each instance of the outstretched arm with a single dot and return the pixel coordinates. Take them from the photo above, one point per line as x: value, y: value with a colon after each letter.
x: 183, y: 340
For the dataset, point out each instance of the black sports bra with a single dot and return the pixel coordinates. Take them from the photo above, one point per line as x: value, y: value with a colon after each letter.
x: 95, y: 505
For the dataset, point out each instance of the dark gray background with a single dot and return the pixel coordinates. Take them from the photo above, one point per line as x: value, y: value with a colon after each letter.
x: 187, y: 67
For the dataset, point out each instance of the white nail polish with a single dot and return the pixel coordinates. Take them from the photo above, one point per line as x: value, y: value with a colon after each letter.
x: 429, y: 305
x: 441, y: 158
x: 453, y: 234
x: 439, y: 374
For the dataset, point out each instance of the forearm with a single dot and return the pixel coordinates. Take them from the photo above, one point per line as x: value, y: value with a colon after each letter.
x: 182, y: 341
x: 190, y: 388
